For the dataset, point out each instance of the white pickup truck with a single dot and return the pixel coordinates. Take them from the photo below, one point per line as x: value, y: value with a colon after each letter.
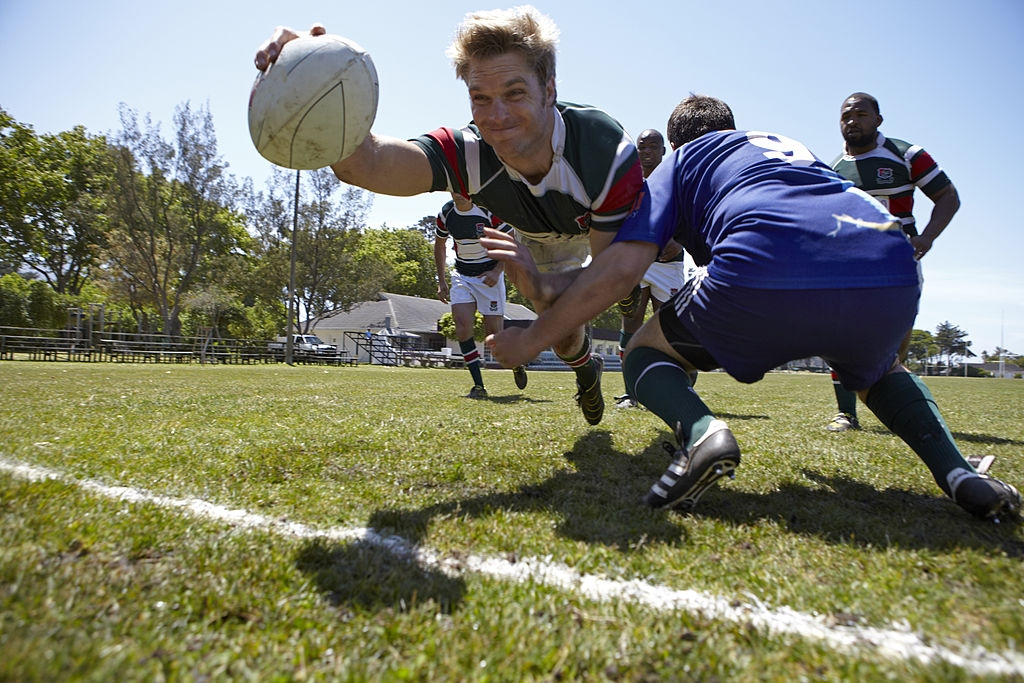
x: 303, y: 344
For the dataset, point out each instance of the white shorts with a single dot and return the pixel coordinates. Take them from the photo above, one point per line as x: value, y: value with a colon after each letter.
x: 470, y: 289
x: 664, y: 279
x: 557, y: 256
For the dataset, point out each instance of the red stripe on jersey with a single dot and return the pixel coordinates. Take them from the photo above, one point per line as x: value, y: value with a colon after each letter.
x: 921, y: 165
x: 445, y: 136
x: 902, y: 206
x: 624, y: 192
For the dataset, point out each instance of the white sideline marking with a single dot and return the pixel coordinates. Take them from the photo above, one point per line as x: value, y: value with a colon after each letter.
x: 892, y: 644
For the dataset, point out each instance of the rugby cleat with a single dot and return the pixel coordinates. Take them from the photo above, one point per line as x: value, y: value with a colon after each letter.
x: 715, y: 455
x: 626, y: 401
x: 843, y: 422
x: 590, y: 400
x: 519, y: 375
x: 477, y: 392
x: 987, y: 498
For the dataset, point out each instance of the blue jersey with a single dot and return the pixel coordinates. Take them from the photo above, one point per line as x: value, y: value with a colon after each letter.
x: 760, y: 211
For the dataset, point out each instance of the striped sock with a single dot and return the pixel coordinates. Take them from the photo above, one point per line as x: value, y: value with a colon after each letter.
x: 582, y: 363
x: 472, y: 359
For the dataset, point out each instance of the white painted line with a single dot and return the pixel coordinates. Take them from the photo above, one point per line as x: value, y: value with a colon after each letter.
x: 780, y: 621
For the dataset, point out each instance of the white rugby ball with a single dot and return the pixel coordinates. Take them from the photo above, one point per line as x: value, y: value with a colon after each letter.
x: 314, y: 105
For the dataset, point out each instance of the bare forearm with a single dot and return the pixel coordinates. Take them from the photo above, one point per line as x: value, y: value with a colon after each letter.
x: 579, y: 296
x: 946, y: 205
x: 387, y: 166
x: 440, y: 259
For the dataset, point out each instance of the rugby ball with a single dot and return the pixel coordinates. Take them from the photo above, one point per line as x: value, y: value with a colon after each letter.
x: 314, y: 105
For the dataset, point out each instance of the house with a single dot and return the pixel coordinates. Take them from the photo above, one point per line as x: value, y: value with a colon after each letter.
x: 406, y: 321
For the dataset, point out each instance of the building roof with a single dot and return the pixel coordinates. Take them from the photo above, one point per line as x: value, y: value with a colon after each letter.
x: 402, y: 312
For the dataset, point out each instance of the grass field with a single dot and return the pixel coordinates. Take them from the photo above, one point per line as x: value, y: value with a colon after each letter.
x: 274, y: 523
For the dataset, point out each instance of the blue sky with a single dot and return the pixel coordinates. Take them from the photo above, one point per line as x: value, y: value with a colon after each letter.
x: 948, y: 76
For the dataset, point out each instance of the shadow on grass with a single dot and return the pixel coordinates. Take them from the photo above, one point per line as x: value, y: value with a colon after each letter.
x: 959, y: 437
x: 849, y: 512
x: 599, y: 502
x: 511, y: 399
x: 367, y: 575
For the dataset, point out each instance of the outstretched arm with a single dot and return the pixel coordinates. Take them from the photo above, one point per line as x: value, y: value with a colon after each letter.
x: 575, y: 298
x: 381, y: 164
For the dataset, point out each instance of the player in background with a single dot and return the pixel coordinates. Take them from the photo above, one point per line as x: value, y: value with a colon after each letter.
x: 478, y: 281
x: 564, y: 175
x: 663, y: 278
x: 889, y: 170
x: 778, y: 236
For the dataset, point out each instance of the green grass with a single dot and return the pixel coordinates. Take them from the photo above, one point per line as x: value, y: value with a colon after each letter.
x: 848, y: 526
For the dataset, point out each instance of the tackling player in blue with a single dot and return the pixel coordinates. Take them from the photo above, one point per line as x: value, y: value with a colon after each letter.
x: 794, y: 262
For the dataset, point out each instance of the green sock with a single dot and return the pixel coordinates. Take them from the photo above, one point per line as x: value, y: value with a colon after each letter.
x: 846, y: 400
x: 903, y: 403
x: 624, y: 338
x: 661, y: 384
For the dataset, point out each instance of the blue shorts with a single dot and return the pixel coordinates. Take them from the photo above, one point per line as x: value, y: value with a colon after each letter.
x: 748, y: 332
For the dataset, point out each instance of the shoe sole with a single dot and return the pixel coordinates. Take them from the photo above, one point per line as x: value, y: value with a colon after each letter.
x: 724, y: 466
x: 519, y: 375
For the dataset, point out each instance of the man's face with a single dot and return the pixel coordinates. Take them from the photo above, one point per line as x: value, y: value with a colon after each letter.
x: 858, y: 122
x: 513, y: 111
x: 651, y: 148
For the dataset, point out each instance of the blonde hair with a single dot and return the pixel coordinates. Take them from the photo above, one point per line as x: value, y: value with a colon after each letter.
x: 492, y: 33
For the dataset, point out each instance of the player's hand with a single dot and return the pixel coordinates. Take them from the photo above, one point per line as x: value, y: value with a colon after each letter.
x: 493, y: 276
x: 509, y: 347
x: 443, y: 292
x: 671, y: 250
x: 268, y: 52
x: 518, y: 263
x: 922, y: 245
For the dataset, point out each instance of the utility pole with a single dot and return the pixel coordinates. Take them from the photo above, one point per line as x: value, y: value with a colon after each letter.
x: 290, y: 339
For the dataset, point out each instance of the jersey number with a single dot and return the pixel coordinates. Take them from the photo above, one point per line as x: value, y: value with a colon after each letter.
x: 782, y: 148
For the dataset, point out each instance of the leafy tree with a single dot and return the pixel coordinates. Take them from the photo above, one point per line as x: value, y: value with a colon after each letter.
x: 331, y: 273
x: 952, y: 341
x: 172, y: 217
x: 409, y: 256
x: 922, y: 347
x: 426, y: 227
x: 446, y: 326
x: 328, y: 234
x: 14, y: 296
x: 52, y: 190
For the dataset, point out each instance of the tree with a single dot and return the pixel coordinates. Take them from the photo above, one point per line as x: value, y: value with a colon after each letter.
x: 446, y: 326
x: 409, y: 256
x: 52, y: 192
x: 922, y: 348
x: 172, y: 215
x: 328, y: 234
x: 331, y: 273
x: 952, y: 341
